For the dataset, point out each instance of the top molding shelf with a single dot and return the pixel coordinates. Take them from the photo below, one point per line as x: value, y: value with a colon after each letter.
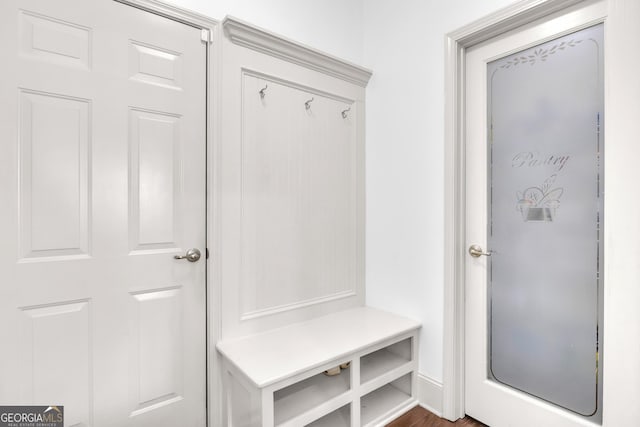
x: 258, y: 39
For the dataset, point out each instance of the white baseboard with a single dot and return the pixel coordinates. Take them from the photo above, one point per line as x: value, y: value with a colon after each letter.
x: 430, y: 394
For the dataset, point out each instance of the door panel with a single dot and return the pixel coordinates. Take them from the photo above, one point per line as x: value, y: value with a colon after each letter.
x: 58, y: 364
x: 155, y: 174
x: 103, y: 183
x: 54, y: 157
x: 533, y: 304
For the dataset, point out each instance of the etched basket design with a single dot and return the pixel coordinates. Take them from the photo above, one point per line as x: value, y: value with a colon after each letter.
x: 539, y: 204
x: 538, y: 214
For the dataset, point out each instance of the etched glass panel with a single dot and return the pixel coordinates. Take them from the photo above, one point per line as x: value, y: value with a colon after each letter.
x: 545, y: 117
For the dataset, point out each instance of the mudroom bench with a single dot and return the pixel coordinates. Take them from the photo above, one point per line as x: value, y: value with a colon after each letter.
x: 277, y: 378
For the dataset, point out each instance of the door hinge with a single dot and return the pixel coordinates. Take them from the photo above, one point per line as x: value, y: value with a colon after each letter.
x: 206, y: 253
x: 206, y: 36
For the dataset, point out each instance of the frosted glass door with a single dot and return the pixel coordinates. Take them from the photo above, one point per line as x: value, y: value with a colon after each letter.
x: 545, y: 113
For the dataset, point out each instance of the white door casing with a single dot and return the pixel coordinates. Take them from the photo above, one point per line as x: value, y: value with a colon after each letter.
x: 621, y: 272
x: 103, y: 168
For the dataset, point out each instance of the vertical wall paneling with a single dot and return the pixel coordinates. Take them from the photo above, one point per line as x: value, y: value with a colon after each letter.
x: 291, y: 182
x: 298, y: 210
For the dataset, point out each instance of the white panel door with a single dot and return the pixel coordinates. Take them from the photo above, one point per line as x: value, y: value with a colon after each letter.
x: 527, y: 210
x: 102, y: 167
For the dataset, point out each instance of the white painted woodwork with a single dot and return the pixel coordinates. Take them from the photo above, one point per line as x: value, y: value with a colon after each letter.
x: 299, y: 211
x: 157, y: 327
x: 621, y: 92
x: 108, y: 111
x: 430, y: 394
x: 291, y: 202
x: 338, y: 418
x: 286, y: 385
x: 53, y: 40
x: 621, y: 382
x: 305, y: 395
x: 486, y: 399
x: 57, y: 363
x: 509, y: 18
x: 156, y: 174
x: 155, y: 65
x: 258, y: 39
x: 54, y: 165
x: 391, y: 395
x: 378, y: 363
x: 290, y: 182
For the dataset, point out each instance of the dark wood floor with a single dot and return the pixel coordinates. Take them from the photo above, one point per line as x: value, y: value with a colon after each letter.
x: 420, y: 417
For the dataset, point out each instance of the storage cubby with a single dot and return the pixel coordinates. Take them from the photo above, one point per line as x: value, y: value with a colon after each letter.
x: 385, y: 360
x: 338, y: 418
x: 305, y: 395
x: 276, y: 378
x: 386, y: 399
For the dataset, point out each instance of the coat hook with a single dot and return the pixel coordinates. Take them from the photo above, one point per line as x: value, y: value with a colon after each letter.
x: 307, y: 104
x: 344, y: 112
x: 262, y: 91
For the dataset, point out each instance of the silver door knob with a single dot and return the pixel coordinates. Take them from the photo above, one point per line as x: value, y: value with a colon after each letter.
x: 476, y: 251
x: 192, y: 255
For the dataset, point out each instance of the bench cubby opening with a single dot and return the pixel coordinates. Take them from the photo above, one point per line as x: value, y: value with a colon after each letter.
x: 385, y: 400
x: 298, y: 398
x: 278, y: 376
x: 384, y: 360
x: 338, y: 418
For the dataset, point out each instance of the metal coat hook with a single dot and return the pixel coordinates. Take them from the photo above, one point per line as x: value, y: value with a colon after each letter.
x: 307, y: 105
x: 344, y: 112
x: 262, y: 91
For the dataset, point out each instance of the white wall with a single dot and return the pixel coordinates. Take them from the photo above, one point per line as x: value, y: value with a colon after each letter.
x: 404, y: 46
x: 334, y: 26
x: 403, y: 43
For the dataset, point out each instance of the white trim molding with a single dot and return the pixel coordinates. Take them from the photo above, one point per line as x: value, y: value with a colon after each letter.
x: 430, y: 394
x: 252, y: 37
x: 456, y: 44
x: 175, y: 13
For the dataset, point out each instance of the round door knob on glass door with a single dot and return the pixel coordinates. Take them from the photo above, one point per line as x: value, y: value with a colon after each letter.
x: 476, y: 251
x: 192, y: 255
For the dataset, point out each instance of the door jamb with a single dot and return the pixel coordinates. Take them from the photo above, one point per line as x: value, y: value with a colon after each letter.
x: 456, y: 45
x: 213, y: 395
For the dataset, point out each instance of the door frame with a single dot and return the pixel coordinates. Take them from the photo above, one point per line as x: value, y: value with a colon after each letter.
x: 213, y: 403
x: 621, y: 269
